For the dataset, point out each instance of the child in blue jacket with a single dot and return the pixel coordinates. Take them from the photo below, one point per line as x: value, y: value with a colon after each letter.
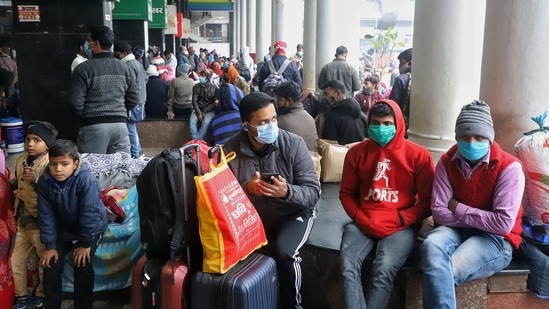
x: 72, y: 219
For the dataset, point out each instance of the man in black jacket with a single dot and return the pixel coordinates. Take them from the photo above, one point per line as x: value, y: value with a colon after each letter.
x: 399, y: 92
x: 344, y: 121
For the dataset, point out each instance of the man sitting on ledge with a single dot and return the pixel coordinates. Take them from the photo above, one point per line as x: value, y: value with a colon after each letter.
x: 385, y: 189
x: 476, y: 204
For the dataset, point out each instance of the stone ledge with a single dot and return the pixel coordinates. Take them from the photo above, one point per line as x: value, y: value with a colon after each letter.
x: 163, y: 133
x: 323, y: 282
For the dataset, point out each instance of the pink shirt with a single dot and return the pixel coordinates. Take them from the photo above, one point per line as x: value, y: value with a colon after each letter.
x: 507, y: 197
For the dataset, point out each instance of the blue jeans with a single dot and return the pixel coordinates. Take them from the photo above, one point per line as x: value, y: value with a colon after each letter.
x: 134, y: 139
x: 391, y: 253
x: 452, y: 256
x: 197, y: 133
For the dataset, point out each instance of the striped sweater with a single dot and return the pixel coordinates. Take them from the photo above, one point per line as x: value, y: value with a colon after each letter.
x: 102, y: 90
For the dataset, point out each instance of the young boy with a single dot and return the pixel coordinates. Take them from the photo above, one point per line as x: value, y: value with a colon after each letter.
x: 386, y: 190
x: 72, y: 219
x: 39, y: 136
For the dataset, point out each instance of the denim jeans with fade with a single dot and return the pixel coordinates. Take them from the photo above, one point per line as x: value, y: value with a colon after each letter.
x: 391, y: 253
x: 196, y: 132
x: 135, y: 145
x: 452, y: 256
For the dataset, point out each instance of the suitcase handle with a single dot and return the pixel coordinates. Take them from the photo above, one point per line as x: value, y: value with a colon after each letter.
x: 181, y: 216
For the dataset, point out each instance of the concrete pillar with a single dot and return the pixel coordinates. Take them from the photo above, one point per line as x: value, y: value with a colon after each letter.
x: 513, y: 78
x: 251, y: 24
x: 288, y: 23
x: 309, y: 50
x: 326, y: 34
x: 274, y: 20
x: 237, y: 27
x: 282, y: 19
x: 349, y: 38
x: 446, y: 61
x: 243, y: 26
x: 263, y: 33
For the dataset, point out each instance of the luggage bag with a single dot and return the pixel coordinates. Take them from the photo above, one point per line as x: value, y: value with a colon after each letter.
x: 169, y: 224
x: 159, y: 283
x: 169, y: 227
x: 250, y: 284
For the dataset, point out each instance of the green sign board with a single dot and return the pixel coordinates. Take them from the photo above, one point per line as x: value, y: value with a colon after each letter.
x: 159, y: 16
x: 132, y: 10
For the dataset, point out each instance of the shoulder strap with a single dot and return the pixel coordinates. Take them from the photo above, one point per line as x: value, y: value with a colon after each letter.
x: 271, y: 67
x: 182, y: 209
x: 177, y: 235
x: 283, y: 66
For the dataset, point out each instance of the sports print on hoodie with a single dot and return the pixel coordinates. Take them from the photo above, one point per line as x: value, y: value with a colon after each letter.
x: 387, y: 189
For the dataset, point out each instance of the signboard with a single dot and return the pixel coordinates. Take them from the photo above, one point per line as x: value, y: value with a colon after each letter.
x: 186, y: 28
x: 211, y: 5
x: 132, y: 10
x: 179, y: 27
x: 171, y: 14
x: 28, y: 13
x: 159, y: 18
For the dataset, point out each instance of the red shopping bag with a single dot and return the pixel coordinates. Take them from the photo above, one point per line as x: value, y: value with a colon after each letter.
x: 230, y: 227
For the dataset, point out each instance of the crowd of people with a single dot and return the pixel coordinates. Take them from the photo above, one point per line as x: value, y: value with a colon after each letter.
x: 389, y: 184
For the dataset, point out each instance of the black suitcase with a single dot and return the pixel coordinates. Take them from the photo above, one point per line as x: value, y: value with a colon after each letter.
x: 250, y: 284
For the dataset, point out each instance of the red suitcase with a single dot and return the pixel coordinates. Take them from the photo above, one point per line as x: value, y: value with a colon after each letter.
x: 160, y: 283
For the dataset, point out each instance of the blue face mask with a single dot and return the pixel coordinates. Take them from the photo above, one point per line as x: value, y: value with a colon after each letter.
x: 473, y: 151
x: 381, y: 134
x: 202, y: 79
x: 87, y: 49
x: 267, y: 133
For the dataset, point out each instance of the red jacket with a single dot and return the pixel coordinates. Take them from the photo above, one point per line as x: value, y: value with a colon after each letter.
x: 386, y: 189
x: 478, y: 191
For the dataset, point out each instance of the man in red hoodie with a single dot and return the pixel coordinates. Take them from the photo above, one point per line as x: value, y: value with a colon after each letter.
x: 476, y: 204
x: 385, y: 189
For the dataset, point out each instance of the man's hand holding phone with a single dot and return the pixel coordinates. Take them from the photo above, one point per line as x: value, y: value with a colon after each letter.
x: 273, y: 185
x: 268, y: 177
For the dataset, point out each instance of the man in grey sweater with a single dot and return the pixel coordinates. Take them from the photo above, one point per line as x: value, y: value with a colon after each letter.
x: 339, y: 69
x: 102, y: 91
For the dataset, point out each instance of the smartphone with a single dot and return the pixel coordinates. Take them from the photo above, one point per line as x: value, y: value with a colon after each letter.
x: 266, y: 177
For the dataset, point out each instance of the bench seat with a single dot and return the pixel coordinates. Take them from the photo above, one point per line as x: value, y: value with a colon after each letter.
x: 323, y: 283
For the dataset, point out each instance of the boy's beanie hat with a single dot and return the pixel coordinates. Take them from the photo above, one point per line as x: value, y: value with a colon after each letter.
x: 39, y: 129
x: 475, y: 119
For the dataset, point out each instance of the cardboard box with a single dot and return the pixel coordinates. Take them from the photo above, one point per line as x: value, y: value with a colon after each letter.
x: 333, y: 156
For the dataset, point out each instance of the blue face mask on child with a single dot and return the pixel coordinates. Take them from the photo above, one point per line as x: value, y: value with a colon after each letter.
x: 381, y: 134
x: 473, y: 151
x: 202, y: 79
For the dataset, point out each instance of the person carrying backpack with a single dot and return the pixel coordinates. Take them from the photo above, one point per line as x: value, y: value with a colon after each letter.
x: 291, y: 72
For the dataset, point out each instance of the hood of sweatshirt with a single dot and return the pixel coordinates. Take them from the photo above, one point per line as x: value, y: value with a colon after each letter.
x: 400, y: 125
x: 229, y: 97
x: 348, y: 106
